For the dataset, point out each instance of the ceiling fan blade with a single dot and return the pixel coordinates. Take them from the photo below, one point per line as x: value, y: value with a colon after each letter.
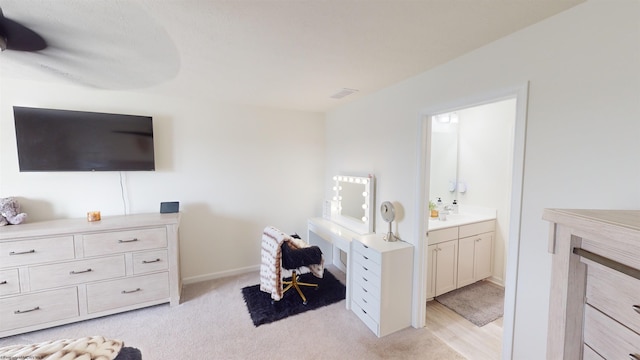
x: 19, y: 37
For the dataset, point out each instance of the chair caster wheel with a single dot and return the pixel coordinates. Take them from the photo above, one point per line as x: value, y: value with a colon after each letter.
x: 304, y: 303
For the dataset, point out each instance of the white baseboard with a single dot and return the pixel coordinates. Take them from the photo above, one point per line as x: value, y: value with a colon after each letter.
x: 219, y: 275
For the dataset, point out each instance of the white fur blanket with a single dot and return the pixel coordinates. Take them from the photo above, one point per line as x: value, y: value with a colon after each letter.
x: 88, y: 348
x: 271, y: 271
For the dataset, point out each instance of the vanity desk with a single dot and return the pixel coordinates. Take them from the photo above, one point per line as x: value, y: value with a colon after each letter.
x: 379, y: 274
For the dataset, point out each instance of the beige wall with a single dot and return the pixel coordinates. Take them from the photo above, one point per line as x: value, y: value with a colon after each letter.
x: 234, y: 170
x: 581, y: 142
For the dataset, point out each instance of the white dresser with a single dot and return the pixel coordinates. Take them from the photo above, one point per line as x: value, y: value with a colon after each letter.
x: 62, y: 271
x: 381, y: 283
x: 594, y: 306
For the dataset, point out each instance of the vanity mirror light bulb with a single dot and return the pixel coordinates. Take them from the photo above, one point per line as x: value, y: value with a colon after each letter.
x: 364, y: 218
x: 365, y: 181
x: 364, y: 206
x: 335, y: 188
x: 335, y: 198
x: 335, y: 178
x: 364, y: 194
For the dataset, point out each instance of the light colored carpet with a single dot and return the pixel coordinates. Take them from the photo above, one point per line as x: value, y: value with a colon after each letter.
x: 212, y: 322
x: 481, y: 302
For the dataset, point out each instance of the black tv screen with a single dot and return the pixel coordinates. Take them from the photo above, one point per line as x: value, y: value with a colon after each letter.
x: 64, y: 140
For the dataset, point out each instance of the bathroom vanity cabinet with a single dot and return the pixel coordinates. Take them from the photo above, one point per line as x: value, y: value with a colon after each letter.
x: 459, y: 256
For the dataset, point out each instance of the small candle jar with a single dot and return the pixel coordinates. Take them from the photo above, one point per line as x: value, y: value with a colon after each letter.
x: 93, y: 216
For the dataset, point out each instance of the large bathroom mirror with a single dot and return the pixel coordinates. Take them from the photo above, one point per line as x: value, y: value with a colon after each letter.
x: 353, y: 203
x: 444, y: 158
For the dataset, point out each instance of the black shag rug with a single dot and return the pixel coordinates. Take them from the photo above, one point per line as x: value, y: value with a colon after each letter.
x: 262, y: 311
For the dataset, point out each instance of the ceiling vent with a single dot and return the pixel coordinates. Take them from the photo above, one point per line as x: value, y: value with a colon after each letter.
x: 342, y: 93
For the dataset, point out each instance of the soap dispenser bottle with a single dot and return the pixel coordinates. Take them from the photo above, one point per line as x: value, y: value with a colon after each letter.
x: 440, y: 205
x: 454, y: 206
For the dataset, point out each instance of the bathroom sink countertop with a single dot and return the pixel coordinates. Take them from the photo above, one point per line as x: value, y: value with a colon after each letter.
x: 460, y: 219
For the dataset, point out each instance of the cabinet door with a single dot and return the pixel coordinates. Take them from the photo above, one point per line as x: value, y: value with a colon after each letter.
x: 432, y: 251
x: 446, y: 267
x: 483, y: 255
x: 466, y: 263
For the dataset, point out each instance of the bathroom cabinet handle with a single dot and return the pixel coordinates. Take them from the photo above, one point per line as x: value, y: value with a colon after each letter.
x: 73, y: 272
x: 22, y: 252
x: 150, y: 261
x: 26, y: 311
x: 636, y: 308
x: 128, y: 241
x: 3, y: 282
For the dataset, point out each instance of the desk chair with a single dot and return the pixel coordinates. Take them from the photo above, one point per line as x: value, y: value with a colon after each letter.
x: 293, y: 259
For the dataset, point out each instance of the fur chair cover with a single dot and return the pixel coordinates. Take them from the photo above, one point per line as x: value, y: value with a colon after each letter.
x: 271, y: 272
x: 87, y: 348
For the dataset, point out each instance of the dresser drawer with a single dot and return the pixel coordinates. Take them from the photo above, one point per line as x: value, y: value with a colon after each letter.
x: 366, y: 252
x: 150, y: 261
x: 366, y: 318
x: 615, y: 294
x: 589, y: 354
x: 123, y: 241
x: 477, y: 228
x: 366, y: 279
x: 76, y: 272
x: 130, y: 291
x: 442, y: 235
x: 39, y: 308
x: 26, y: 252
x: 609, y: 338
x: 369, y: 303
x: 366, y: 264
x: 9, y: 282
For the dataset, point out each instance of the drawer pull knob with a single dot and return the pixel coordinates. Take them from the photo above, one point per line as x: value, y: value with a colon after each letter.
x: 636, y: 308
x: 73, y: 272
x: 3, y: 282
x: 22, y: 252
x: 634, y: 357
x: 128, y: 241
x: 130, y: 291
x: 26, y: 311
x: 150, y: 261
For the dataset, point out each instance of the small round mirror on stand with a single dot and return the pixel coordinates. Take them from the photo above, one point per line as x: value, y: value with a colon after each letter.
x: 388, y: 214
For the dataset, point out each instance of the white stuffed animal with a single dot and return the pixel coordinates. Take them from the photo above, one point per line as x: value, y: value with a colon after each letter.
x: 10, y: 212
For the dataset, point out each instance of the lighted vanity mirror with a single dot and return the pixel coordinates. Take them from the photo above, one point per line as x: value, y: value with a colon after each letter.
x: 444, y: 158
x: 354, y: 202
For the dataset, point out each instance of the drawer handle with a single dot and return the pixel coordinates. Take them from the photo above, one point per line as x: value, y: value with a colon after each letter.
x: 365, y: 257
x: 365, y: 290
x: 365, y: 301
x: 477, y: 240
x: 26, y: 311
x: 22, y: 252
x: 151, y: 261
x: 130, y: 291
x: 3, y: 282
x: 636, y: 308
x: 365, y: 279
x: 365, y: 268
x: 364, y: 311
x: 73, y: 272
x: 128, y: 241
x: 634, y: 357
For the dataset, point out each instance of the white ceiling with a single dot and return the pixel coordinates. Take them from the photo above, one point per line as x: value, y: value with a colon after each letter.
x: 291, y: 54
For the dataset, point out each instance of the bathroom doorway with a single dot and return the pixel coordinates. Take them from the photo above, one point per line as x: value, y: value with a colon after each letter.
x: 508, y: 206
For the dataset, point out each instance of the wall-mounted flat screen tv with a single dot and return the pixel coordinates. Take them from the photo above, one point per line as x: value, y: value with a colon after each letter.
x: 65, y: 140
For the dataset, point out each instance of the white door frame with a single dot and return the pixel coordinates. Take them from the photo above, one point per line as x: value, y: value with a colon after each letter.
x: 520, y: 93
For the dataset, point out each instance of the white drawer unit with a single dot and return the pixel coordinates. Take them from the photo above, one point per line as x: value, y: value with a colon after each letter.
x: 62, y: 271
x: 594, y: 305
x: 381, y: 281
